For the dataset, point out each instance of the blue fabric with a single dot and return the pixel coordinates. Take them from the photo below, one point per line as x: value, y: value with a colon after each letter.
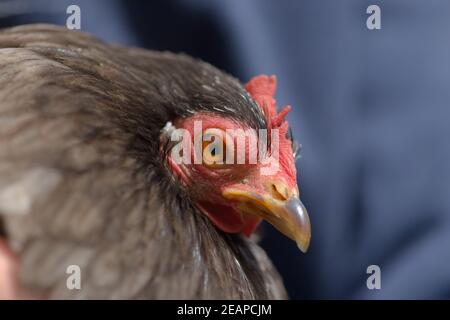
x: 371, y: 109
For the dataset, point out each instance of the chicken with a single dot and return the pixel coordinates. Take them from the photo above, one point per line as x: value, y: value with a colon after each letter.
x: 88, y: 176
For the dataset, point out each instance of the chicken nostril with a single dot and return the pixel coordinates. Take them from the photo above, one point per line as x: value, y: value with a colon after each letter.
x: 279, y: 192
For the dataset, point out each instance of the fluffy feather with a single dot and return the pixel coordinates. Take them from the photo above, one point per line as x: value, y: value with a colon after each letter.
x: 79, y: 139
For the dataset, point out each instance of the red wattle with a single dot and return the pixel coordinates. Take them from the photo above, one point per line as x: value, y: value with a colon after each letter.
x: 229, y: 220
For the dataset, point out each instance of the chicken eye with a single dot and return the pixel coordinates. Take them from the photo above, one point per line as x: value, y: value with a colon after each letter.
x: 213, y: 148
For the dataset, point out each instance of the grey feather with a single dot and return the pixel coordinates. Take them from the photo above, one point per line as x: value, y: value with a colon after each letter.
x: 82, y: 181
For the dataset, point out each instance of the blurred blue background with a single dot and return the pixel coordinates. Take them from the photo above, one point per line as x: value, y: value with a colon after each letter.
x: 370, y: 107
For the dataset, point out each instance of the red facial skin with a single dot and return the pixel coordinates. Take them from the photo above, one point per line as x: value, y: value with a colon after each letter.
x: 206, y: 184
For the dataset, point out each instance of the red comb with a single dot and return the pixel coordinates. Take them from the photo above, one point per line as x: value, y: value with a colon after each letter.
x: 262, y: 89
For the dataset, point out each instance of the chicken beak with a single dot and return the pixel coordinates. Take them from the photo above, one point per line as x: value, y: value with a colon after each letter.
x: 288, y: 215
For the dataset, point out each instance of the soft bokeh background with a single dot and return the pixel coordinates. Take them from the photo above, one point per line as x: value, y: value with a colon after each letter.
x: 371, y: 109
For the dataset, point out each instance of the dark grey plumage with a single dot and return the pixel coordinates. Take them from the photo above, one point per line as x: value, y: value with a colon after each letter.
x: 82, y: 179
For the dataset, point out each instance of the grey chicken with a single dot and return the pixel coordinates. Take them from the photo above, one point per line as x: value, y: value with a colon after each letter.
x: 87, y: 178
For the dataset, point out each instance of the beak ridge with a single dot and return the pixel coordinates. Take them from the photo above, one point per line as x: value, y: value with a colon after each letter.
x: 289, y: 216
